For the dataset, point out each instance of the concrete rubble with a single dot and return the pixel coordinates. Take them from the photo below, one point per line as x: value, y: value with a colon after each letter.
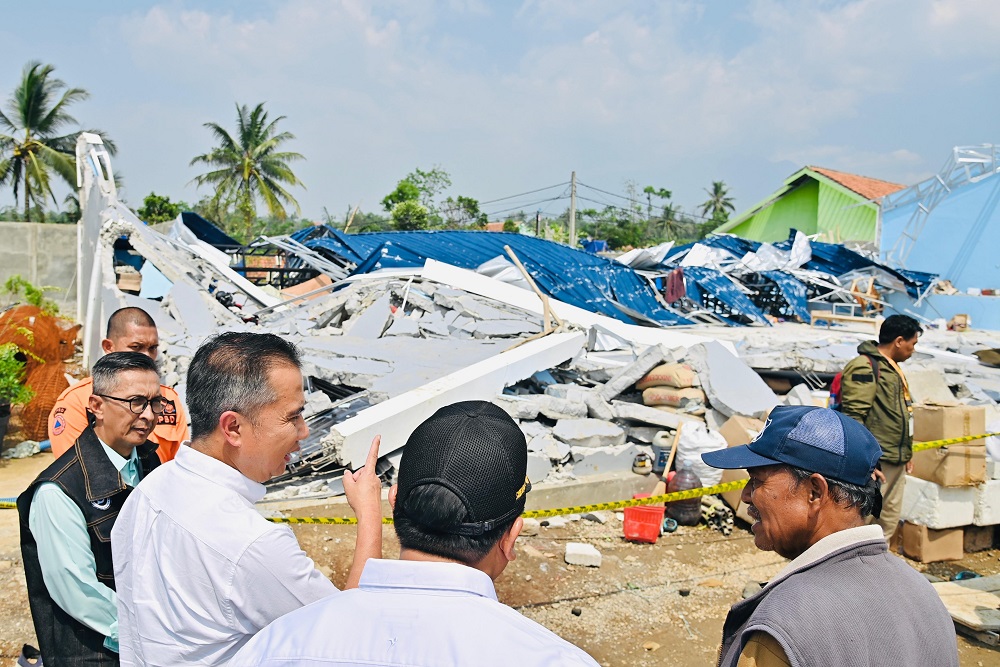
x: 381, y: 351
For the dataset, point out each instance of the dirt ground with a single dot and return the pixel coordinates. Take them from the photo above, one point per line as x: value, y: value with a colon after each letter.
x: 661, y: 604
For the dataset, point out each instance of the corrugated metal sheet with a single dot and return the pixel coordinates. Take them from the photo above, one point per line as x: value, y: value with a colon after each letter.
x: 573, y: 276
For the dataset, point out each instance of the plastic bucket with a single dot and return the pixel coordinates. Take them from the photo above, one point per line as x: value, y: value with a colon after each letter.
x: 662, y: 442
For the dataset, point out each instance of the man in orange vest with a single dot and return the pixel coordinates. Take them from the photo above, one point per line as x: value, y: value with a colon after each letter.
x: 129, y: 330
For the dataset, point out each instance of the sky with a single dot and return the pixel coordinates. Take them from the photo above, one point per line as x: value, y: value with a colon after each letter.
x: 510, y: 97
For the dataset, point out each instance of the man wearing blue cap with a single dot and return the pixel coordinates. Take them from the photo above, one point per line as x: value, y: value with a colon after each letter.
x: 810, y: 490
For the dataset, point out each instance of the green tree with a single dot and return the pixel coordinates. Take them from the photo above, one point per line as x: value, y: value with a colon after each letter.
x: 38, y: 145
x: 406, y: 190
x: 464, y: 212
x: 250, y: 166
x: 158, y: 209
x: 719, y: 204
x: 409, y: 215
x: 661, y: 193
x: 511, y: 226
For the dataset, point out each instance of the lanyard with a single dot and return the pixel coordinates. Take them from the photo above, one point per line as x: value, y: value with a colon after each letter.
x: 906, y: 385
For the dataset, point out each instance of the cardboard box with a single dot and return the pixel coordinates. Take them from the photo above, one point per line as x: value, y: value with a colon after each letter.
x: 935, y: 422
x: 977, y: 538
x: 958, y: 465
x: 930, y: 546
x: 738, y: 430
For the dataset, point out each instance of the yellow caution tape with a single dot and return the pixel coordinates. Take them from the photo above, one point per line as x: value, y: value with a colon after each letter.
x: 635, y: 502
x: 933, y: 444
x: 613, y: 505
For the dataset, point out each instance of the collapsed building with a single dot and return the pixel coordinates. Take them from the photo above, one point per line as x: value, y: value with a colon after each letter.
x: 601, y: 361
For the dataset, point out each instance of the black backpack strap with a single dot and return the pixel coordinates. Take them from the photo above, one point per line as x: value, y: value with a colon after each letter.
x: 875, y: 366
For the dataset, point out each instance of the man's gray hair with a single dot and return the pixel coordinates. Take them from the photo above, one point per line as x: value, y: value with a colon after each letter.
x: 230, y: 372
x: 867, y: 499
x: 107, y: 369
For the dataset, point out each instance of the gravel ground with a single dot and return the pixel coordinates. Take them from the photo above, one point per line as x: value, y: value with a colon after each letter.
x: 661, y: 604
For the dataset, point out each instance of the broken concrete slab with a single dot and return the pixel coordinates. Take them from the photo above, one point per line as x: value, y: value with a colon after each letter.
x: 647, y: 415
x: 555, y: 449
x: 928, y: 386
x: 800, y: 394
x: 732, y: 387
x: 589, y: 433
x: 597, y: 407
x: 650, y: 358
x: 570, y: 392
x: 531, y: 527
x: 597, y: 460
x: 396, y: 418
x: 937, y: 507
x: 529, y: 406
x: 539, y: 467
x: 403, y: 326
x: 579, y: 553
x: 372, y: 322
x: 643, y: 434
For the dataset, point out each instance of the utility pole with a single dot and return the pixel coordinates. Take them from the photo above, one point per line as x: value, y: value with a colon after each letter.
x: 538, y: 223
x: 572, y: 210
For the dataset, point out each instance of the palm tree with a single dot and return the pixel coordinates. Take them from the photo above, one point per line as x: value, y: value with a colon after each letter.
x: 35, y: 146
x: 250, y: 166
x: 719, y: 203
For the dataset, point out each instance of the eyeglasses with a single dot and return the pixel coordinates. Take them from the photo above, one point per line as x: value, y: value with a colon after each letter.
x: 137, y: 404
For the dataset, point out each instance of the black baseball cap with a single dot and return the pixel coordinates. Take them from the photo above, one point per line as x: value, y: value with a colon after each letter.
x: 475, y: 450
x: 814, y: 439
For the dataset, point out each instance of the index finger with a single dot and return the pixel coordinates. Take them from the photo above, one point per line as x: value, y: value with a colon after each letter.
x: 373, y: 453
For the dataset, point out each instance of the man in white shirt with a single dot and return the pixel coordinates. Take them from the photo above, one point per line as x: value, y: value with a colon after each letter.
x: 462, y: 488
x: 199, y: 570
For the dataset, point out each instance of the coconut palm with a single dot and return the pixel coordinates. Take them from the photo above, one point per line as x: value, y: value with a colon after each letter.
x: 33, y: 145
x: 719, y: 204
x: 250, y: 166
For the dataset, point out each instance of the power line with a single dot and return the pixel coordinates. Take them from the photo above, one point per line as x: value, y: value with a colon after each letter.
x: 530, y: 192
x: 521, y: 207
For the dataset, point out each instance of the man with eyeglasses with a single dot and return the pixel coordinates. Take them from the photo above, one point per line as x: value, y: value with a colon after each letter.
x: 129, y: 330
x: 67, y: 513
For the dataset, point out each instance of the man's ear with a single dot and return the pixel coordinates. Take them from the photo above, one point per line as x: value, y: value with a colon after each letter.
x: 232, y: 424
x: 818, y: 487
x: 95, y: 405
x: 107, y: 346
x: 510, y: 537
x: 393, y: 492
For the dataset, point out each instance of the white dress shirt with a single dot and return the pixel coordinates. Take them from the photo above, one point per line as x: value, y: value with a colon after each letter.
x: 410, y: 613
x: 198, y: 569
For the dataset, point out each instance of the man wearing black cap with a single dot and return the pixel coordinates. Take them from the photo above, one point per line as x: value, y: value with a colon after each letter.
x: 809, y: 492
x: 462, y: 487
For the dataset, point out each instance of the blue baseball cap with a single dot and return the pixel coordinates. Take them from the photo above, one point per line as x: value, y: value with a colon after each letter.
x: 814, y: 439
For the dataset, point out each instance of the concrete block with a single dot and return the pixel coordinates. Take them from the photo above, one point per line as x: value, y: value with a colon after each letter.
x: 800, y: 394
x: 650, y: 358
x: 938, y: 507
x: 987, y: 511
x: 929, y: 386
x: 589, y: 433
x: 556, y: 450
x: 648, y: 415
x: 531, y: 405
x: 533, y: 429
x: 555, y: 522
x: 599, y: 460
x: 570, y: 392
x: 732, y: 387
x: 601, y: 517
x: 531, y: 527
x: 539, y: 467
x: 597, y: 407
x: 579, y: 553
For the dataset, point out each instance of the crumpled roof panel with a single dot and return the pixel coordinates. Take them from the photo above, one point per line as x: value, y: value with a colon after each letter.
x: 573, y: 276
